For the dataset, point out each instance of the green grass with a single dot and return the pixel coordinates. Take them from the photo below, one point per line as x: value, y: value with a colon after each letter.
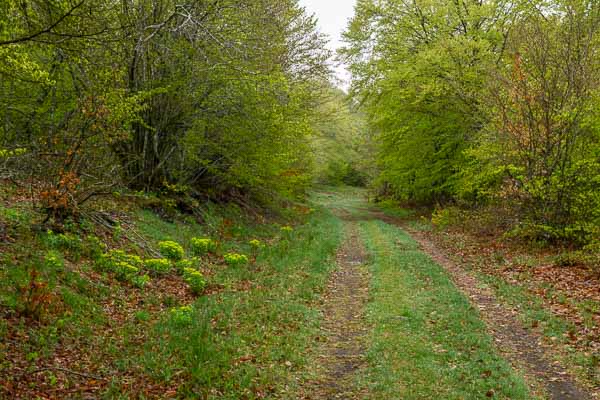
x: 533, y: 312
x: 392, y: 208
x: 427, y: 342
x: 249, y: 336
x: 240, y: 343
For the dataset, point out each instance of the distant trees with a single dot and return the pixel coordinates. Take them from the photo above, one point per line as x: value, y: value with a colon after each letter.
x: 485, y: 101
x: 342, y: 144
x: 213, y: 95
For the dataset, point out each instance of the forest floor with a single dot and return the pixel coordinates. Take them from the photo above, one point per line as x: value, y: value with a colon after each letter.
x: 432, y: 322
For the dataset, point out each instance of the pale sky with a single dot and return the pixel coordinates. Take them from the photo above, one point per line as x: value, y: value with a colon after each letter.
x: 333, y: 17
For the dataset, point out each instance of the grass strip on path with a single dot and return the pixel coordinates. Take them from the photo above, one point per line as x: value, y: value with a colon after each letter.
x: 428, y: 342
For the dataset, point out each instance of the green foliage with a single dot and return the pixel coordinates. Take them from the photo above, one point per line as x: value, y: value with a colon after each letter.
x: 229, y: 114
x: 485, y: 113
x: 54, y: 260
x: 158, y: 266
x: 195, y: 279
x: 235, y: 259
x: 342, y: 144
x: 140, y: 281
x: 182, y: 316
x: 181, y: 265
x: 125, y: 266
x: 203, y: 246
x: 94, y: 247
x: 64, y: 241
x: 171, y: 250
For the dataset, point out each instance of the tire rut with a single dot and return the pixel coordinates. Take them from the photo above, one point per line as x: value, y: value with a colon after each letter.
x: 344, y: 326
x: 516, y: 343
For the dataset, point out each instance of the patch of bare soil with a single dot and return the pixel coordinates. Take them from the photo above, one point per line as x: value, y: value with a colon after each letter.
x: 344, y: 326
x: 522, y: 347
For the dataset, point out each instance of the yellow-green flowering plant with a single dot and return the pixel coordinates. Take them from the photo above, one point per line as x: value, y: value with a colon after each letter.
x: 53, y: 259
x: 202, y: 246
x: 124, y: 266
x: 140, y: 281
x: 182, y: 315
x: 157, y: 265
x: 256, y: 244
x: 125, y: 271
x: 171, y: 250
x: 235, y: 259
x: 195, y: 279
x: 181, y: 265
x: 4, y: 153
x: 109, y: 260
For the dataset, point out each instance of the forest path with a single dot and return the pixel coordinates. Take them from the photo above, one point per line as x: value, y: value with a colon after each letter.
x: 344, y: 327
x: 344, y: 309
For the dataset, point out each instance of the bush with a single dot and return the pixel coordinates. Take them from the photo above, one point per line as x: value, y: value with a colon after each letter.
x: 125, y: 271
x: 181, y: 265
x: 140, y: 281
x: 94, y: 247
x: 64, y: 241
x: 182, y: 315
x: 158, y: 266
x: 444, y: 217
x: 195, y: 279
x: 202, y: 246
x: 234, y: 259
x: 124, y: 266
x: 54, y: 260
x: 256, y: 244
x: 171, y: 250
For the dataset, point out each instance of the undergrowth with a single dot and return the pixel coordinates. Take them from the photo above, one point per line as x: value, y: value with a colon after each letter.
x: 142, y: 311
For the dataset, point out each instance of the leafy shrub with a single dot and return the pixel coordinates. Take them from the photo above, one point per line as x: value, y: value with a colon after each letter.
x: 181, y: 265
x: 195, y: 279
x: 182, y: 315
x: 140, y: 281
x: 158, y: 265
x: 444, y: 217
x: 202, y: 246
x: 54, y: 260
x: 125, y: 271
x: 124, y: 266
x: 256, y: 244
x: 287, y: 229
x: 171, y: 250
x: 64, y: 241
x: 94, y: 247
x: 110, y: 259
x: 234, y: 259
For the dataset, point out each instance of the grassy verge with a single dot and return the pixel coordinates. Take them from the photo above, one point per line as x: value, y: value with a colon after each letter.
x: 428, y: 342
x: 88, y: 333
x: 570, y: 334
x: 251, y: 339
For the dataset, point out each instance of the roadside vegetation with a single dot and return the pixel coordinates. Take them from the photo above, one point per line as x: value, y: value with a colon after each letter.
x: 428, y: 341
x: 158, y: 309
